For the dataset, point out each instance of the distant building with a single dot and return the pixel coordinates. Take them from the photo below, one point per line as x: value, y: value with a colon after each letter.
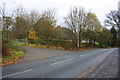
x: 83, y: 41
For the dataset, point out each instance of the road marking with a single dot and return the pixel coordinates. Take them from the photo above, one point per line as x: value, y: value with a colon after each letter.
x: 69, y: 59
x: 81, y: 55
x: 57, y: 63
x: 84, y: 54
x: 17, y: 73
x: 42, y: 77
x: 62, y: 61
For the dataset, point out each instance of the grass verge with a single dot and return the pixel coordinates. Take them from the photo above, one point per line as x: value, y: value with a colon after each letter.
x: 16, y: 53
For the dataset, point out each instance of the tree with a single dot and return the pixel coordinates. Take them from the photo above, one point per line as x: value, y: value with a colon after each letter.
x: 112, y: 19
x: 44, y: 26
x: 7, y: 21
x: 21, y: 24
x: 114, y: 36
x: 59, y: 33
x: 75, y: 22
x: 62, y: 33
x: 104, y: 38
x: 32, y: 18
x: 32, y: 34
x: 92, y: 26
x: 20, y: 27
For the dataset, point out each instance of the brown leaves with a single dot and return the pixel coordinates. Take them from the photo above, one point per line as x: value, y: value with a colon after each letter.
x: 9, y: 62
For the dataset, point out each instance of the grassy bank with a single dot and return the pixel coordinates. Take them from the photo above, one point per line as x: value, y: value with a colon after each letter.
x: 12, y: 51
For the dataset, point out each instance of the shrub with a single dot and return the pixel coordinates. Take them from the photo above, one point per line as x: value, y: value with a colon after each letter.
x: 13, y: 45
x: 9, y: 47
x: 5, y: 50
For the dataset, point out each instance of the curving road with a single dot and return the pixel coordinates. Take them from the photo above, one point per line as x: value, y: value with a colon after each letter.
x: 67, y: 66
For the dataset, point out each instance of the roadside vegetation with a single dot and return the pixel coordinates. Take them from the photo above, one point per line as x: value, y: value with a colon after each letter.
x: 11, y: 51
x: 81, y: 29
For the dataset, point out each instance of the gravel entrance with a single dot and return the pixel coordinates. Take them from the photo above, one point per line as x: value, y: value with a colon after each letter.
x: 33, y: 53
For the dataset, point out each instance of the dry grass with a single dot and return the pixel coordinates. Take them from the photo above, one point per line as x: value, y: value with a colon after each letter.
x: 84, y: 49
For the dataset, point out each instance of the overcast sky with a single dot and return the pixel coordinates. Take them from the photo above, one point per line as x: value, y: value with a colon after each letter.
x: 99, y: 7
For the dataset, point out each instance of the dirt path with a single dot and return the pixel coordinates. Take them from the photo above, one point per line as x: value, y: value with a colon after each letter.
x: 40, y: 53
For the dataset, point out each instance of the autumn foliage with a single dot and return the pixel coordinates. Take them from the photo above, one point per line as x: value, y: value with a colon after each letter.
x: 32, y: 34
x: 5, y: 50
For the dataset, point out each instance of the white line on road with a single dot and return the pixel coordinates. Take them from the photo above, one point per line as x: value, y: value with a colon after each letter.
x: 69, y: 59
x: 81, y: 55
x: 57, y: 63
x: 17, y: 73
x: 84, y: 54
x: 62, y: 61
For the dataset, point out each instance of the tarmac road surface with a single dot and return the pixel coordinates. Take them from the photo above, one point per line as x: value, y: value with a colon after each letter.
x: 66, y: 66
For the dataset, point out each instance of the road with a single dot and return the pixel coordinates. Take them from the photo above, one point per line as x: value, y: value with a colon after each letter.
x: 33, y: 53
x: 67, y: 66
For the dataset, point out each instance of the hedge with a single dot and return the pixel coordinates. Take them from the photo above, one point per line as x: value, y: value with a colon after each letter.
x: 58, y: 43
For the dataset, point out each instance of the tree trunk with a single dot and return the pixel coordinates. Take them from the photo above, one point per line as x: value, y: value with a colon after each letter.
x: 78, y: 38
x: 94, y: 43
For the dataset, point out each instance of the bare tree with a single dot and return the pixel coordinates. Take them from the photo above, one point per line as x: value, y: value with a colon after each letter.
x: 113, y: 19
x: 32, y: 17
x: 75, y: 21
x: 3, y: 10
x: 44, y: 26
x: 50, y: 15
x: 19, y: 11
x: 2, y: 14
x: 6, y: 21
x: 20, y: 23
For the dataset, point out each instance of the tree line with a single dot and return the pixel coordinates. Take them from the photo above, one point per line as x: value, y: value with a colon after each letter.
x: 82, y: 28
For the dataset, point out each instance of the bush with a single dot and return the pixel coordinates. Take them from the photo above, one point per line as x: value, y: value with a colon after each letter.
x: 5, y: 50
x: 9, y: 47
x: 13, y: 45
